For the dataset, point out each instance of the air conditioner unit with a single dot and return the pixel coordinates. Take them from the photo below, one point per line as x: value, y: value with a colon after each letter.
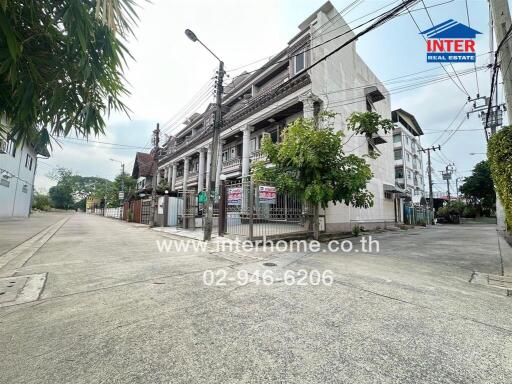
x: 3, y: 146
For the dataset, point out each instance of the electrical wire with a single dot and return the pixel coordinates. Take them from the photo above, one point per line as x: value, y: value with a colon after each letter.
x: 469, y: 25
x: 419, y: 29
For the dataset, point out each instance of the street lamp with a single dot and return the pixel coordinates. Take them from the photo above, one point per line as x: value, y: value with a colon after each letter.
x: 122, y: 174
x: 207, y: 234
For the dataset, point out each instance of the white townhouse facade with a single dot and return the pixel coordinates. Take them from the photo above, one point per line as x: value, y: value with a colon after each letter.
x: 263, y: 102
x: 408, y: 157
x: 17, y: 173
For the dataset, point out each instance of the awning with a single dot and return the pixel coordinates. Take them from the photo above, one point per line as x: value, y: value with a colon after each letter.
x: 393, y: 188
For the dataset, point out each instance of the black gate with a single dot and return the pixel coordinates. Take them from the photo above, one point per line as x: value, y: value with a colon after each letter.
x: 145, y: 211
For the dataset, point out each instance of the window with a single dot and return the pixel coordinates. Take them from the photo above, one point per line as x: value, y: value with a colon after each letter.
x: 28, y: 162
x: 253, y: 145
x: 24, y: 189
x: 225, y: 156
x: 408, y: 157
x: 399, y: 173
x: 232, y: 152
x: 397, y: 138
x: 4, y: 181
x: 274, y: 136
x: 398, y: 154
x: 300, y: 62
x: 409, y: 175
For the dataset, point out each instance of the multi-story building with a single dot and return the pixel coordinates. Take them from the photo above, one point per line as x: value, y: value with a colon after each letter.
x: 408, y: 156
x: 263, y: 102
x: 17, y: 173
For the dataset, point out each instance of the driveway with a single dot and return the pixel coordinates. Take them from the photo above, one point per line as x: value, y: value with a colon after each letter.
x: 116, y: 310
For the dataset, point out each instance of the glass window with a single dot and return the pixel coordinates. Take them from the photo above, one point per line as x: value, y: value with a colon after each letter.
x: 253, y: 144
x: 397, y: 138
x: 225, y: 155
x: 300, y: 62
x: 399, y: 173
x: 398, y: 154
x: 274, y: 136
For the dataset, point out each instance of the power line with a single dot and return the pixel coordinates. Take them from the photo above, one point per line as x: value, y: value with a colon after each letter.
x: 419, y: 29
x: 474, y: 64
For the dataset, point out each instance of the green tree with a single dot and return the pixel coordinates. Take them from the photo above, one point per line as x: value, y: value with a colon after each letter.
x: 79, y: 187
x: 479, y: 187
x: 310, y: 162
x: 61, y: 65
x: 61, y: 196
x: 116, y: 187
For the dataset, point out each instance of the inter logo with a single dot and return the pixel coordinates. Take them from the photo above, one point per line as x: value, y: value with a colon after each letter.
x: 451, y: 42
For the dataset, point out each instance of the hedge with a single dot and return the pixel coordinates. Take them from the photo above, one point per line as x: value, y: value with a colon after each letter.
x: 499, y: 152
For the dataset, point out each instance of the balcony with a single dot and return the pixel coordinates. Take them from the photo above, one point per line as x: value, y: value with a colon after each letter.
x: 258, y: 156
x: 232, y: 165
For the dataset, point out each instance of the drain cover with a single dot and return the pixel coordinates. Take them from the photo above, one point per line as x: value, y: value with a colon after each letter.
x: 270, y: 264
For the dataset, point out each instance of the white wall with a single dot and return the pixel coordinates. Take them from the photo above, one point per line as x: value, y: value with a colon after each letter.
x: 16, y: 197
x: 340, y: 81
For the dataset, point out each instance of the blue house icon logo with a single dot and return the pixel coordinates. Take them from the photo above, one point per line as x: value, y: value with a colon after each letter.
x: 451, y: 42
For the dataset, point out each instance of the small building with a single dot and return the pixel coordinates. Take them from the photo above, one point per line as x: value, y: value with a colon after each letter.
x: 409, y: 174
x: 92, y: 202
x: 143, y: 171
x: 18, y: 166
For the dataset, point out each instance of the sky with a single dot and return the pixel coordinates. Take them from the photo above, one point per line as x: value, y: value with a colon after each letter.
x: 169, y: 70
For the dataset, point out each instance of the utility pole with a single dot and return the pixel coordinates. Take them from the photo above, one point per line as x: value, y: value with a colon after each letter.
x: 156, y: 149
x: 122, y: 180
x: 211, y: 191
x: 502, y: 22
x: 429, y: 165
x: 447, y: 175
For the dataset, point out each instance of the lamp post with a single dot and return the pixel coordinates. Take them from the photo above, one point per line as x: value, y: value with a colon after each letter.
x: 122, y: 175
x: 210, y: 192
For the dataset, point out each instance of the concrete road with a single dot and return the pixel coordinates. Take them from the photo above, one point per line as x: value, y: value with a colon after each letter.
x: 115, y: 310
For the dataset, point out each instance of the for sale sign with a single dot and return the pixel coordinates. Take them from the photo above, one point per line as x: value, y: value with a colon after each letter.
x: 267, y: 195
x: 235, y: 196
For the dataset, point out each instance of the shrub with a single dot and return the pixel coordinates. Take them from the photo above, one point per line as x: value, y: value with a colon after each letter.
x: 356, y: 230
x: 41, y: 202
x: 499, y: 152
x: 469, y: 211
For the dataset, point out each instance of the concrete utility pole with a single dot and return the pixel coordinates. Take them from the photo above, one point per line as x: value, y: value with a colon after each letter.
x: 211, y: 187
x: 156, y: 149
x: 502, y: 23
x: 429, y: 165
x: 447, y: 175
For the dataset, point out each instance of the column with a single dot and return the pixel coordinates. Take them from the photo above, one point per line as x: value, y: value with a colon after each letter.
x: 308, y: 101
x: 173, y: 177
x: 246, y: 151
x: 219, y: 165
x: 169, y: 175
x: 158, y: 177
x: 200, y: 176
x: 208, y: 165
x: 185, y: 173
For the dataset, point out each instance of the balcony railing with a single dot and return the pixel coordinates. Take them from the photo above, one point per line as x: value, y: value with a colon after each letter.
x: 235, y: 162
x: 258, y: 155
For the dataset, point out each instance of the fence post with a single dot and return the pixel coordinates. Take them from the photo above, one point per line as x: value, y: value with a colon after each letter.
x: 222, y: 208
x: 251, y: 209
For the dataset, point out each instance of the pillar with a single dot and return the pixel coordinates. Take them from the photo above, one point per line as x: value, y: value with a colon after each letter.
x: 308, y: 101
x: 219, y: 165
x: 173, y: 177
x: 208, y: 165
x: 185, y: 173
x: 246, y: 151
x: 200, y: 176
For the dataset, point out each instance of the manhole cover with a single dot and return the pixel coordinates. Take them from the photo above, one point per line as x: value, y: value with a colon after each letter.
x: 270, y: 264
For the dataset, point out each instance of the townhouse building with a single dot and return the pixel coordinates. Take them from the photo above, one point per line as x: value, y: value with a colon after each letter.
x: 18, y: 166
x: 264, y: 101
x: 408, y: 157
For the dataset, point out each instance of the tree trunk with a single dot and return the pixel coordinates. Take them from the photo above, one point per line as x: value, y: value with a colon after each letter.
x: 316, y: 223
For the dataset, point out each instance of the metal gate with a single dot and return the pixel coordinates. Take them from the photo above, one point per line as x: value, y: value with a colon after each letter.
x: 145, y: 211
x: 186, y: 216
x: 255, y: 209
